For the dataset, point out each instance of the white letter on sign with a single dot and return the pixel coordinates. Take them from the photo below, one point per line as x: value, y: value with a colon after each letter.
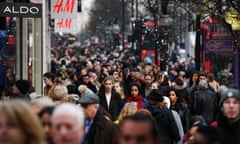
x: 7, y: 10
x: 23, y: 10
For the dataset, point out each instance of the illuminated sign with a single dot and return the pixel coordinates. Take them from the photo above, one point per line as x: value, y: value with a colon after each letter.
x: 233, y: 18
x: 20, y: 10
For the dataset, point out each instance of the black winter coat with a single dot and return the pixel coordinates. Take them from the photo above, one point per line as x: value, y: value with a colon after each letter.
x: 184, y: 113
x: 166, y: 123
x: 115, y: 104
x: 102, y: 130
x: 231, y: 132
x: 204, y: 104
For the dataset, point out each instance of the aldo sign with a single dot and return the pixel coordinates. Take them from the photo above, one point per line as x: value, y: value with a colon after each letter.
x: 20, y: 10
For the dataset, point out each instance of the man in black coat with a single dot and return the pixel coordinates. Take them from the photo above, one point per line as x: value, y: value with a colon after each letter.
x: 204, y: 102
x: 165, y: 121
x: 98, y: 128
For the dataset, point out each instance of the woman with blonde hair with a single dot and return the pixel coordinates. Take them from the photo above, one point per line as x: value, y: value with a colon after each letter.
x: 128, y: 109
x: 119, y: 89
x: 60, y: 91
x: 19, y: 124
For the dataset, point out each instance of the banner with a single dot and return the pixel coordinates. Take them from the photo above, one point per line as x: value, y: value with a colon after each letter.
x: 218, y: 45
x: 61, y: 9
x: 65, y: 14
x: 65, y: 25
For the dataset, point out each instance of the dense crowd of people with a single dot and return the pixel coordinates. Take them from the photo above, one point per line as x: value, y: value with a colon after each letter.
x: 98, y: 96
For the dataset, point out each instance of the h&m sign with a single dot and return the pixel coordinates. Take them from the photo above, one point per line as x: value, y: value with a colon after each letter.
x: 65, y: 14
x: 20, y: 10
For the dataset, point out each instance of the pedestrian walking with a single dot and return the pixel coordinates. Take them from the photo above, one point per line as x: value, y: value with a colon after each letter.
x: 99, y: 129
x: 228, y: 119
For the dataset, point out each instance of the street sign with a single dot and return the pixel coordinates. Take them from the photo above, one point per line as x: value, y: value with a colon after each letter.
x: 20, y: 10
x: 218, y: 45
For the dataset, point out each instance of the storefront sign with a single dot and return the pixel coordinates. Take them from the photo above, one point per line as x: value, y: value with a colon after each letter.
x: 61, y: 9
x: 65, y: 25
x: 65, y: 14
x: 20, y: 10
x: 218, y: 45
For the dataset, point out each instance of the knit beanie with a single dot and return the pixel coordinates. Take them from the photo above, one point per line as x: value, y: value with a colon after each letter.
x: 23, y: 86
x: 229, y: 93
x: 156, y: 95
x: 87, y: 96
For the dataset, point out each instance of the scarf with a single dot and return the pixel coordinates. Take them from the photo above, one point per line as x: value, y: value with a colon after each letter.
x: 138, y: 99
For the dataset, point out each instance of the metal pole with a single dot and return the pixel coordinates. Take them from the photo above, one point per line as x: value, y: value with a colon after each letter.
x: 132, y: 8
x: 198, y: 42
x: 156, y: 32
x: 21, y: 47
x: 123, y: 22
x: 236, y: 67
x: 156, y: 43
x: 136, y: 9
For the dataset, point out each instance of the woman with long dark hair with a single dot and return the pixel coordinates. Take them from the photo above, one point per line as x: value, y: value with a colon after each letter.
x: 136, y: 96
x: 180, y: 106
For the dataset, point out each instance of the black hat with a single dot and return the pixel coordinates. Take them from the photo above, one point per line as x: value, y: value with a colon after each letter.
x: 87, y: 96
x: 156, y: 95
x: 229, y: 93
x: 23, y: 86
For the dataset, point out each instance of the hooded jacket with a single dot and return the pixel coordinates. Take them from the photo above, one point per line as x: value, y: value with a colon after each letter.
x: 166, y: 123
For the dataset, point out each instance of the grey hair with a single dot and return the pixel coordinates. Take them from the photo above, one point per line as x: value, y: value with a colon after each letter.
x: 60, y: 91
x: 203, y: 84
x: 43, y: 102
x: 70, y: 109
